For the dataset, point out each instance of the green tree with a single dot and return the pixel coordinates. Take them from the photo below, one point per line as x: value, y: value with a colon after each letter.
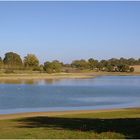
x: 1, y: 62
x: 139, y: 61
x: 41, y: 68
x: 52, y: 67
x: 104, y: 63
x: 123, y: 61
x: 92, y: 63
x: 31, y: 61
x: 123, y: 68
x: 80, y: 64
x: 12, y: 59
x: 110, y: 68
x: 99, y: 66
x: 131, y: 61
x: 57, y: 66
x: 113, y: 62
x: 48, y: 67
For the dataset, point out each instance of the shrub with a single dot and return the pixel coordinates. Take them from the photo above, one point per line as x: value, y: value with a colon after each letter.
x: 132, y: 69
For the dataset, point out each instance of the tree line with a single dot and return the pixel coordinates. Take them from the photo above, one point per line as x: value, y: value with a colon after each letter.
x: 111, y: 65
x: 12, y: 61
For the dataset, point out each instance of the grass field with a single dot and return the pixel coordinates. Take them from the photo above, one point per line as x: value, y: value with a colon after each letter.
x: 123, y: 124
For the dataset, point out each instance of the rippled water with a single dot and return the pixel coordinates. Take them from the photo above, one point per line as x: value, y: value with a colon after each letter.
x: 103, y: 92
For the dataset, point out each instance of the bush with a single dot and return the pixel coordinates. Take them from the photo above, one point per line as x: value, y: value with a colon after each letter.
x: 132, y: 69
x: 36, y: 69
x: 52, y: 67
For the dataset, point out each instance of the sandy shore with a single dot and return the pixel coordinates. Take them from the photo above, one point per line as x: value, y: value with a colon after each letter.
x: 43, y: 76
x: 56, y: 113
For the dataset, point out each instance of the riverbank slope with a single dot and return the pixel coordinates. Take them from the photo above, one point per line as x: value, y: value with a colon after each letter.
x: 43, y: 76
x: 103, y: 124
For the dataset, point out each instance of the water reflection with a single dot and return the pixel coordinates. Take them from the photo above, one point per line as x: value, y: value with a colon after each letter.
x: 30, y: 82
x: 51, y: 81
x: 11, y: 81
x: 98, y: 81
x: 69, y: 94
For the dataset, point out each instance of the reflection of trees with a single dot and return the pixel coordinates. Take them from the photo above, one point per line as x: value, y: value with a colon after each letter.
x: 51, y: 81
x: 16, y: 81
x: 29, y: 81
x: 11, y: 81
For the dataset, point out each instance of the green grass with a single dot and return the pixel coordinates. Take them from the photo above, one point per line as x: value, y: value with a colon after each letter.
x: 110, y: 125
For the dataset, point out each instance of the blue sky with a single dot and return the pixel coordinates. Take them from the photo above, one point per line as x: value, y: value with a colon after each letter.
x: 70, y: 30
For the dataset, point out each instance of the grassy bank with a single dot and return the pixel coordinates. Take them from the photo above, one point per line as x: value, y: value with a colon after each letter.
x: 124, y: 123
x: 41, y: 76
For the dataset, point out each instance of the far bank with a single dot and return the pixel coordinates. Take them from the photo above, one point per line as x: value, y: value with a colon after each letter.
x: 43, y: 76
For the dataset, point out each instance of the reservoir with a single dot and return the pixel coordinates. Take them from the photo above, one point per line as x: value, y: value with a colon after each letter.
x: 103, y: 92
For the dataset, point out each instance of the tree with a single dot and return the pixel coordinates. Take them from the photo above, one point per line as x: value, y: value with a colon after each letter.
x: 1, y: 62
x: 123, y: 68
x: 131, y: 61
x: 104, y: 63
x: 80, y: 64
x: 99, y: 66
x: 12, y: 59
x: 132, y: 69
x: 123, y: 61
x: 51, y: 67
x: 48, y: 67
x: 41, y: 68
x: 113, y: 62
x: 31, y: 61
x: 110, y: 68
x: 139, y: 61
x: 57, y: 66
x: 92, y: 63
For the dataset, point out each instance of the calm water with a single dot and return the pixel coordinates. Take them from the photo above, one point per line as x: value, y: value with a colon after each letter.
x: 103, y: 92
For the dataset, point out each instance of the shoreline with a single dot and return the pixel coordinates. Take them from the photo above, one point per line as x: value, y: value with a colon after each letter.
x: 45, y: 76
x: 59, y: 113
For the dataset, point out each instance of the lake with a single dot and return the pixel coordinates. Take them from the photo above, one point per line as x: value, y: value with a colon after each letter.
x: 104, y: 92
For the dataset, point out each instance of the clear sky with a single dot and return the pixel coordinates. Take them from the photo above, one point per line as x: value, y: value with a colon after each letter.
x: 70, y: 30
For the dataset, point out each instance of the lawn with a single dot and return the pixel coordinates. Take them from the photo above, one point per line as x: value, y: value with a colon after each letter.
x: 109, y: 124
